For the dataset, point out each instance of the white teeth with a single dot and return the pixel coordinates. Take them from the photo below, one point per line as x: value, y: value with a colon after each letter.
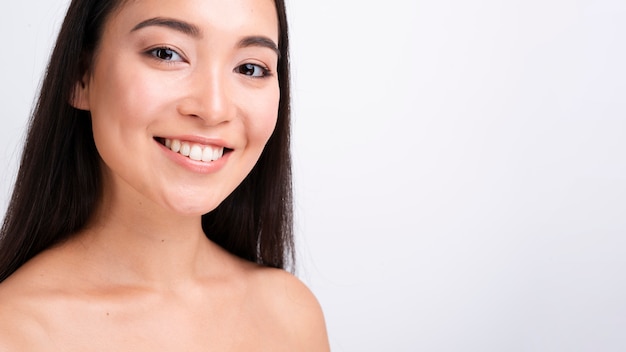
x: 185, y: 149
x: 217, y: 153
x: 195, y: 151
x: 207, y: 154
x: 175, y: 145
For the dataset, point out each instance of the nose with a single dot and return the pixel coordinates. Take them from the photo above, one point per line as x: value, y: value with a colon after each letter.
x: 208, y: 97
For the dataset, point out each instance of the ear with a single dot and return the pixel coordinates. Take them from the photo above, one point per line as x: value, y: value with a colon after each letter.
x: 80, y: 95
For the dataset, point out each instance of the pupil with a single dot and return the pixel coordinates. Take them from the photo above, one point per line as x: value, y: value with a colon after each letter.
x: 164, y: 54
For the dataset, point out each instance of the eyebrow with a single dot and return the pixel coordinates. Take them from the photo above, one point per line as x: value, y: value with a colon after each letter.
x: 259, y: 41
x: 181, y: 26
x: 194, y: 31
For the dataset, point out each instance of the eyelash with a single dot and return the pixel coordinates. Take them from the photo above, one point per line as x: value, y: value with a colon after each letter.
x: 169, y: 51
x: 265, y: 71
x: 154, y: 53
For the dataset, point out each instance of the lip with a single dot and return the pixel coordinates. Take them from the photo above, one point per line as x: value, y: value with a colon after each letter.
x: 213, y: 142
x: 199, y: 167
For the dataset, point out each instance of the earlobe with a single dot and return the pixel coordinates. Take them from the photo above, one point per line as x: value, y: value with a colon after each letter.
x: 80, y: 95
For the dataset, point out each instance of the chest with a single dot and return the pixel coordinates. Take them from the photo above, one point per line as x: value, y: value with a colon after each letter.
x: 166, y: 326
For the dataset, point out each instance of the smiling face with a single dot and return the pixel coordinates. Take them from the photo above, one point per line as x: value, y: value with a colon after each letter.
x: 183, y: 96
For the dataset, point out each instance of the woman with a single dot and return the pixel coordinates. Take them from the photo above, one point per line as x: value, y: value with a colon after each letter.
x: 152, y: 209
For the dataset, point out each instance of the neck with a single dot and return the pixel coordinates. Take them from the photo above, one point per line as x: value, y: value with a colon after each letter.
x: 138, y: 243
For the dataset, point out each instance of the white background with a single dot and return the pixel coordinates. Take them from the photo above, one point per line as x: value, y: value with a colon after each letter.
x: 460, y: 166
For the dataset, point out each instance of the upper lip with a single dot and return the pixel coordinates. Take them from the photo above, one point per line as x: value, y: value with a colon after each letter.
x: 207, y: 141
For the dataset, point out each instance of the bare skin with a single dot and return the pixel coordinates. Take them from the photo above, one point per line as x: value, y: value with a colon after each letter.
x: 80, y: 296
x: 142, y: 276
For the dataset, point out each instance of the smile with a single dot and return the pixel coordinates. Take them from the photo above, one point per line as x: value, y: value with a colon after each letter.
x: 194, y: 151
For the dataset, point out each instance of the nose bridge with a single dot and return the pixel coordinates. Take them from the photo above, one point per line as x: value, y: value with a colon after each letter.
x: 208, y: 96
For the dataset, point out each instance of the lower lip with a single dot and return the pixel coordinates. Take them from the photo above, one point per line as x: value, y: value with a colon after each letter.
x: 199, y: 167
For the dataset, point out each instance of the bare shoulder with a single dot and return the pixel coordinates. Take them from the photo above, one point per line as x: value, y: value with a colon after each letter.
x: 7, y: 317
x: 19, y: 326
x: 27, y: 299
x: 292, y: 306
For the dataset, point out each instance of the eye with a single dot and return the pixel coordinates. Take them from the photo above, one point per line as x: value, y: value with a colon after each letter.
x: 253, y: 70
x: 165, y: 54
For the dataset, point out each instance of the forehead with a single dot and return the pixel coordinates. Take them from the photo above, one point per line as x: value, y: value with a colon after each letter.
x: 245, y: 17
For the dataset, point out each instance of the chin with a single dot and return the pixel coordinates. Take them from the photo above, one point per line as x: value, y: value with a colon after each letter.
x: 188, y: 208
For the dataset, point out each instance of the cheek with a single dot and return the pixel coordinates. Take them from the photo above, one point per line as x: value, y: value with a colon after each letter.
x: 123, y: 102
x: 262, y: 123
x: 124, y: 107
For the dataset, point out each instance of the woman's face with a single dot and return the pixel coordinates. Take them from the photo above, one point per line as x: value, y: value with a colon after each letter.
x: 183, y: 96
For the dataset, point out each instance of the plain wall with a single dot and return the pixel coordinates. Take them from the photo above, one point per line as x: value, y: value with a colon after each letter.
x: 460, y: 166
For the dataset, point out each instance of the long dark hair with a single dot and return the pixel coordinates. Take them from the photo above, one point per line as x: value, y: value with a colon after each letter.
x: 59, y: 181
